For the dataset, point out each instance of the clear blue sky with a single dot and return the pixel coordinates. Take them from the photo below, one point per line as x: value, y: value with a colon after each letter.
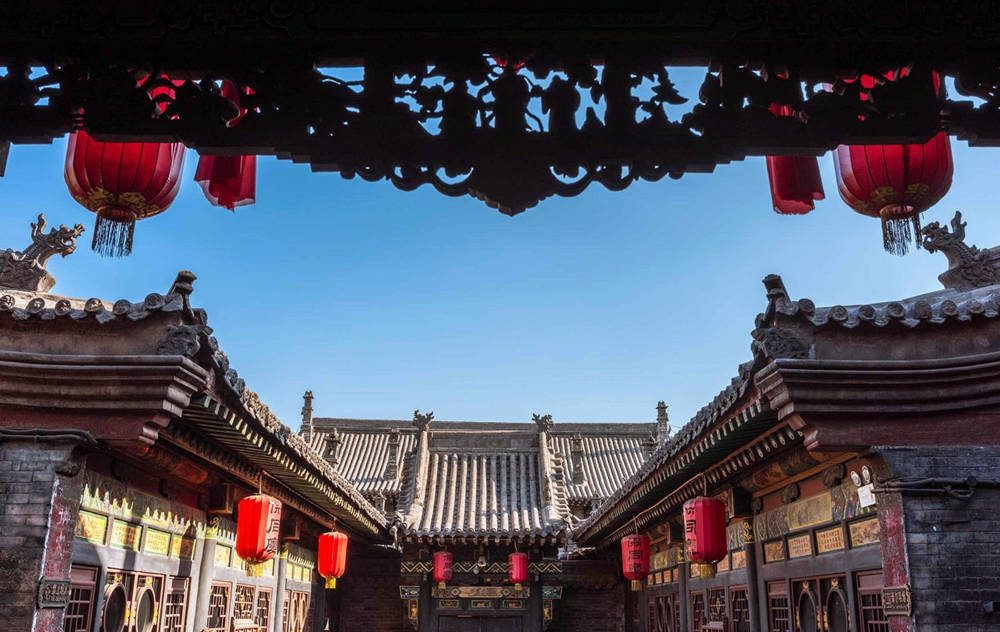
x: 589, y: 308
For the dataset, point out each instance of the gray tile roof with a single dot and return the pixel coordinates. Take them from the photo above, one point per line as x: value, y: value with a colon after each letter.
x: 606, y: 461
x: 363, y: 458
x: 486, y: 479
x: 491, y: 494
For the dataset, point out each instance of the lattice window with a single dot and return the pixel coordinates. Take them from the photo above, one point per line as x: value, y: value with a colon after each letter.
x: 717, y: 604
x: 175, y: 605
x: 739, y: 610
x: 778, y: 611
x: 243, y: 604
x: 218, y: 608
x: 263, y: 612
x: 698, y: 610
x: 80, y: 610
x: 873, y: 617
x: 284, y: 610
x: 654, y: 616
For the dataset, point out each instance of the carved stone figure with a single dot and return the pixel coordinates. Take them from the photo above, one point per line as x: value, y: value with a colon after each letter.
x: 26, y: 270
x: 421, y: 421
x: 969, y: 267
x: 544, y: 422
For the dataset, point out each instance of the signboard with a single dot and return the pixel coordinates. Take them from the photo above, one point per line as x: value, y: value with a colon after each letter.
x: 92, y: 527
x: 774, y: 551
x: 53, y: 593
x: 830, y: 540
x: 864, y: 532
x: 723, y: 565
x: 182, y: 548
x: 157, y: 542
x: 125, y: 535
x: 865, y: 495
x: 222, y: 555
x: 896, y: 600
x: 739, y: 559
x: 800, y: 546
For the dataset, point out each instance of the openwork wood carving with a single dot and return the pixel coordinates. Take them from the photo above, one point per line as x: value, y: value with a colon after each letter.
x: 488, y: 107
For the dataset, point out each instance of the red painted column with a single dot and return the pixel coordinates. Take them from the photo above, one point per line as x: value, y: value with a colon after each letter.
x: 893, y: 539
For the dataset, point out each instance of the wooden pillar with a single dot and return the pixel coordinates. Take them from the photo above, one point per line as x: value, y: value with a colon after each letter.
x: 753, y: 592
x: 535, y: 623
x: 206, y: 573
x: 630, y: 599
x: 683, y: 574
x: 279, y: 590
x: 425, y: 604
x: 319, y: 608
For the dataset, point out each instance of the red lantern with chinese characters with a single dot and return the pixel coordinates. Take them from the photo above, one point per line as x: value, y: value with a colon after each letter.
x: 258, y: 522
x: 635, y: 559
x: 442, y: 568
x: 229, y: 181
x: 895, y: 183
x: 518, y: 568
x: 122, y: 183
x: 705, y: 532
x: 331, y: 557
x: 795, y: 182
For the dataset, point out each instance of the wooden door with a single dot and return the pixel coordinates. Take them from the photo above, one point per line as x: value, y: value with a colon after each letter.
x: 459, y: 624
x: 503, y: 624
x: 480, y: 624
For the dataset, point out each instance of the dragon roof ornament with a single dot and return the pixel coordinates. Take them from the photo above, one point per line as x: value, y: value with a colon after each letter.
x: 25, y: 270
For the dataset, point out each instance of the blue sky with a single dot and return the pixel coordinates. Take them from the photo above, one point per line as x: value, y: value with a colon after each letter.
x: 589, y: 308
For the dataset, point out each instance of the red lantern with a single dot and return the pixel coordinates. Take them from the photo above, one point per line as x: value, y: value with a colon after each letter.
x: 518, y: 568
x: 895, y: 183
x: 635, y: 559
x: 229, y: 181
x: 258, y: 522
x: 442, y: 568
x: 795, y: 181
x: 122, y: 183
x: 331, y: 559
x: 705, y: 532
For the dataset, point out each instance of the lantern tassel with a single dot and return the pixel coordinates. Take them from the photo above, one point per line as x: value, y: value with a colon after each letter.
x: 331, y: 583
x: 898, y: 232
x: 253, y: 570
x: 636, y: 585
x: 113, y: 236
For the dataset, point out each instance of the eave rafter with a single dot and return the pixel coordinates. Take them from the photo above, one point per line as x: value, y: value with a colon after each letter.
x: 258, y: 451
x: 712, y: 457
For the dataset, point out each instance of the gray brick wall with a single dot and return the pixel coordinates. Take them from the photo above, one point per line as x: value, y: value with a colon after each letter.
x: 953, y: 546
x: 28, y: 473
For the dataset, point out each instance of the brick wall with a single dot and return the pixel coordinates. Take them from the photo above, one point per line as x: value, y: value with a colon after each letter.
x: 952, y: 545
x: 369, y: 598
x: 39, y: 503
x: 593, y: 610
